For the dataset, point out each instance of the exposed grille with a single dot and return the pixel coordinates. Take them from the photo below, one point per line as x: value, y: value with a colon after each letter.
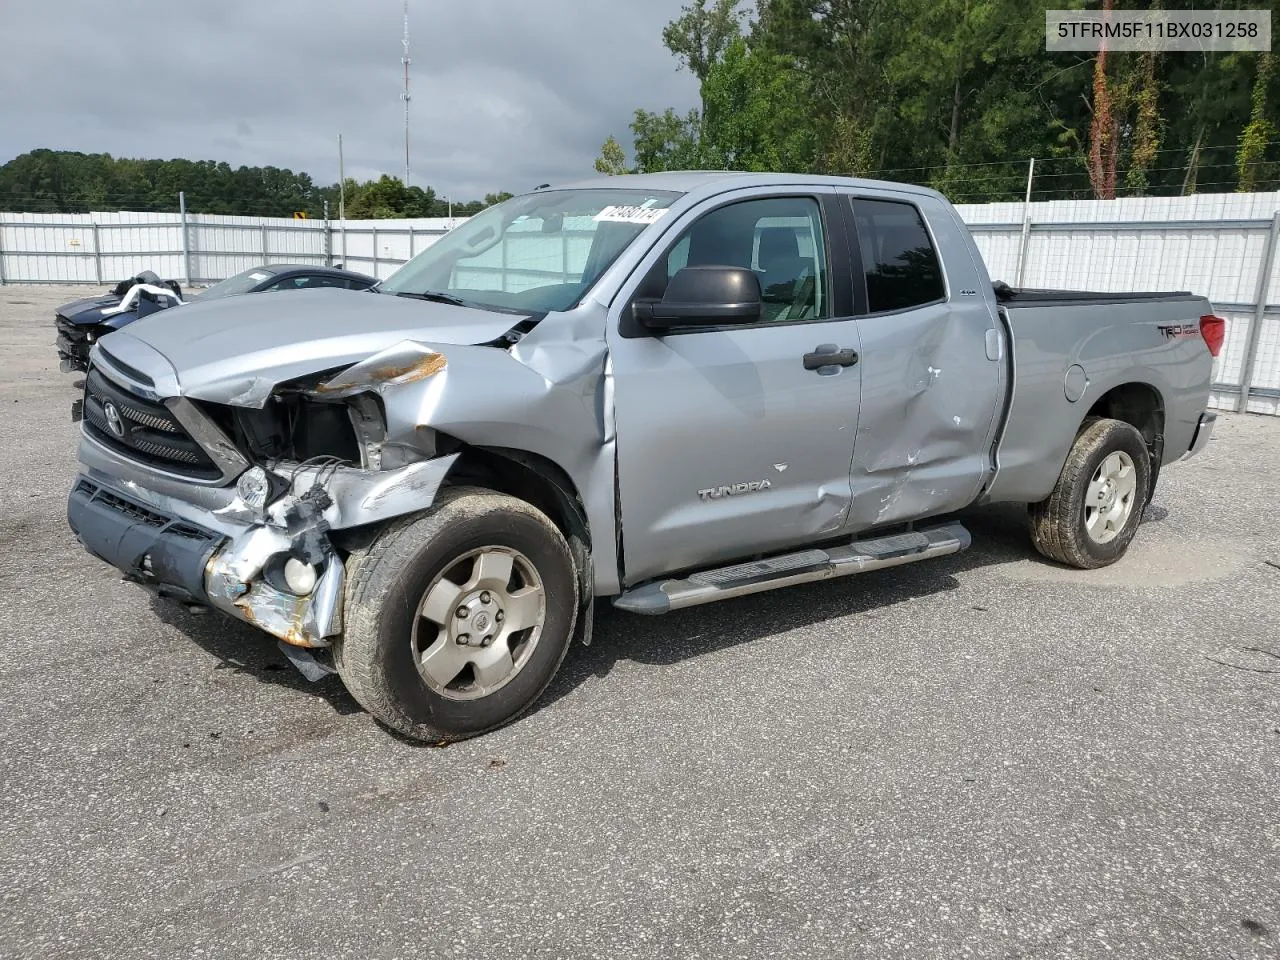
x: 73, y: 343
x: 141, y: 429
x: 73, y: 332
x: 150, y: 420
x: 167, y: 451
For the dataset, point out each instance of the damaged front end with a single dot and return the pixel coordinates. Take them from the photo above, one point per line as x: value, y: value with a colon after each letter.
x: 284, y: 572
x: 270, y: 547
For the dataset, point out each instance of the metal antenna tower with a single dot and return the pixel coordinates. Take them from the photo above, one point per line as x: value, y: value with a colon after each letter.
x: 405, y: 96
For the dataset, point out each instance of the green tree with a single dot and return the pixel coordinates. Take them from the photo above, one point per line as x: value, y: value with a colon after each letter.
x: 612, y: 161
x: 1146, y: 131
x: 65, y: 181
x: 961, y: 80
x: 1258, y: 131
x: 381, y: 199
x: 666, y: 141
x: 957, y: 94
x: 702, y: 33
x: 698, y: 38
x: 753, y: 99
x: 841, y: 46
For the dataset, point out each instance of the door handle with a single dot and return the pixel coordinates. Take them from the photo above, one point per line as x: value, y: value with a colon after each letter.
x: 829, y: 355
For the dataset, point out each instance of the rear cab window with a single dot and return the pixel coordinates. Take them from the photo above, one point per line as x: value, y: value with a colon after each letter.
x: 899, y: 261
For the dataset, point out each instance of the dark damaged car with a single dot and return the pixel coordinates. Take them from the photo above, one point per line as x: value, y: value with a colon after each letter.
x: 82, y: 323
x: 664, y: 390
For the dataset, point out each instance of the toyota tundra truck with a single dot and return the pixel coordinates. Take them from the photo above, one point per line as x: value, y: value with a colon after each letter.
x: 661, y: 390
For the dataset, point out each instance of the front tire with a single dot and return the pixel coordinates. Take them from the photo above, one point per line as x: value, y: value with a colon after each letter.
x: 1094, y: 511
x: 457, y: 619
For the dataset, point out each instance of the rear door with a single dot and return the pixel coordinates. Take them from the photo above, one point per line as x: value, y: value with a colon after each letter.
x: 932, y: 371
x: 727, y: 444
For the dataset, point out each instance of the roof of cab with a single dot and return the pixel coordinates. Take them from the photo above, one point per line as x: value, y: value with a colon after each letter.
x: 677, y: 181
x: 713, y: 181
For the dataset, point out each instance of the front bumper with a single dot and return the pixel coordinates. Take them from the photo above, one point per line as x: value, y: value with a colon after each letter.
x: 1204, y: 431
x: 147, y: 544
x: 72, y: 355
x: 216, y: 551
x: 74, y: 341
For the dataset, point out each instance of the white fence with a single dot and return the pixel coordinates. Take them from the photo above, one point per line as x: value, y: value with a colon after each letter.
x: 1220, y: 245
x: 102, y: 248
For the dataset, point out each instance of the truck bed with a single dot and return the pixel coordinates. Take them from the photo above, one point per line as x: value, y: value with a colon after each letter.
x: 1069, y: 349
x: 1022, y: 297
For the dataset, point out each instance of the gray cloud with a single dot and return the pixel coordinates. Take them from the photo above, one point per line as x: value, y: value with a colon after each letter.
x: 506, y: 94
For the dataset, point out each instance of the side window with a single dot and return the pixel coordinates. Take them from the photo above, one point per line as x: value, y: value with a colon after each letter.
x: 779, y: 238
x: 898, y: 258
x: 320, y: 280
x: 305, y: 280
x: 678, y: 258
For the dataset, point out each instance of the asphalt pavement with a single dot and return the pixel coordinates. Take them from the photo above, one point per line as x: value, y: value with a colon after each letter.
x: 985, y: 755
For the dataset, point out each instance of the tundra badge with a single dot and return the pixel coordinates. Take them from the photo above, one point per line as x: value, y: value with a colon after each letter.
x: 715, y: 493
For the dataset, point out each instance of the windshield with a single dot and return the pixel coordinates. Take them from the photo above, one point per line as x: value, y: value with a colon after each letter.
x: 532, y: 254
x: 240, y: 283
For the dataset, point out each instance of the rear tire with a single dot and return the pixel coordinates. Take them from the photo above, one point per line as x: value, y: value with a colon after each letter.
x: 457, y: 619
x: 1094, y: 511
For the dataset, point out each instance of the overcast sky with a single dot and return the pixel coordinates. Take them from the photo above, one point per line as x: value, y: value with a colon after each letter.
x: 507, y: 94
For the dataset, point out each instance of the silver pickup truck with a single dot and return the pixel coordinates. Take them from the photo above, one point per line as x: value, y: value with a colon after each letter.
x: 664, y: 390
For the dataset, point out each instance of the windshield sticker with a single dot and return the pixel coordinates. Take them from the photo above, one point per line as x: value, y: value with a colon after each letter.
x: 259, y: 276
x: 624, y: 214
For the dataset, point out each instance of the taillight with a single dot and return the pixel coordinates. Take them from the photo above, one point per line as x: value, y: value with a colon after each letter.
x: 1214, y: 331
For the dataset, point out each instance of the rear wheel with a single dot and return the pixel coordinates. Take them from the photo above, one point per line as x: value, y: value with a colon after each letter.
x: 1093, y: 513
x: 456, y: 620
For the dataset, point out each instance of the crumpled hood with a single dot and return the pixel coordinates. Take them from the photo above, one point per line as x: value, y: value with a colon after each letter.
x: 234, y: 350
x: 88, y: 311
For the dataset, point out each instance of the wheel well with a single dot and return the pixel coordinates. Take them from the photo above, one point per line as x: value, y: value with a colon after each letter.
x: 538, y: 481
x: 528, y: 477
x: 1138, y: 404
x: 525, y: 476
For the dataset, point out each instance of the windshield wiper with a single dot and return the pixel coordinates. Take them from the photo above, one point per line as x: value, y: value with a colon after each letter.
x: 436, y: 296
x: 439, y: 296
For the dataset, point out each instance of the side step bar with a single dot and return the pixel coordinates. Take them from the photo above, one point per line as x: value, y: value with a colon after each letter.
x: 724, y: 583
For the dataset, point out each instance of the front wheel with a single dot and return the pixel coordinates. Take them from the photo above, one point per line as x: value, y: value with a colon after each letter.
x: 456, y: 620
x: 1094, y: 511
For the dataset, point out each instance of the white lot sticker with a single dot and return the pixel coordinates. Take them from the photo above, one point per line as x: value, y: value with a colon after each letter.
x: 622, y: 214
x: 259, y: 276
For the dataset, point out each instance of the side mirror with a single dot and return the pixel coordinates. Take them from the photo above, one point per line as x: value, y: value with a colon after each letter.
x: 704, y: 296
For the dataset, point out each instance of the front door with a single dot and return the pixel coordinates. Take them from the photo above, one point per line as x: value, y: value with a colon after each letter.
x: 728, y: 446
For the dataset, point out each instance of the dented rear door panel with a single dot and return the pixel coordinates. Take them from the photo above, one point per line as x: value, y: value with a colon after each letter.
x: 932, y: 387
